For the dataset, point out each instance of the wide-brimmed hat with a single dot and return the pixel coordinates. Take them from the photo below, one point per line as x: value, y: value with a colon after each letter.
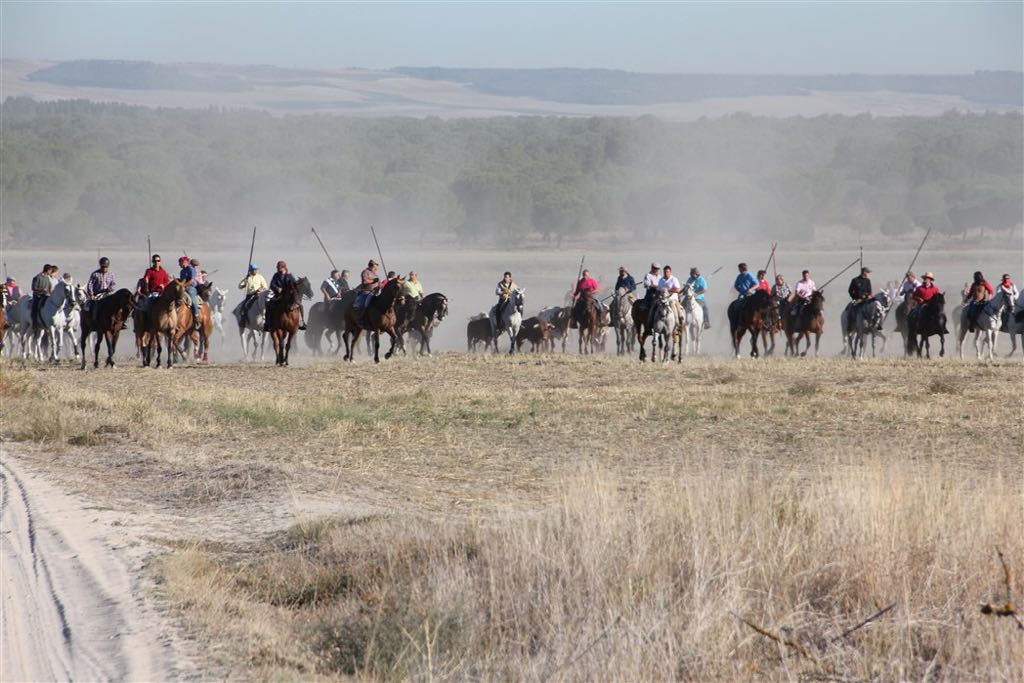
x: 928, y: 276
x: 373, y: 262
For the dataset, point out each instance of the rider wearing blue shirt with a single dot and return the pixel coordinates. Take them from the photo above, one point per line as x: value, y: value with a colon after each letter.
x: 625, y: 281
x: 700, y: 287
x: 188, y: 277
x: 745, y: 282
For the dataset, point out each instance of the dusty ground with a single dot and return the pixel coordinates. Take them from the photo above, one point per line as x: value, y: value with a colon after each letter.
x: 211, y: 465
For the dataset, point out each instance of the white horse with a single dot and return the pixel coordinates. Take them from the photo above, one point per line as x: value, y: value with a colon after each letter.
x: 622, y: 321
x: 216, y: 304
x: 61, y: 315
x: 694, y: 319
x: 869, y: 321
x: 508, y: 319
x: 986, y: 325
x: 19, y: 324
x: 253, y: 329
x: 663, y: 328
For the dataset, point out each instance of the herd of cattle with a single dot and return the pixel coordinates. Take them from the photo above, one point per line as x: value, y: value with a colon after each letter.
x: 416, y: 321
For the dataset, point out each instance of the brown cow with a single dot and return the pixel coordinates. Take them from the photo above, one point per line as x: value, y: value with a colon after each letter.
x: 535, y: 331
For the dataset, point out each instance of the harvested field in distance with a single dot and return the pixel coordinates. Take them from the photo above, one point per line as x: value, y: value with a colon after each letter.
x: 550, y: 516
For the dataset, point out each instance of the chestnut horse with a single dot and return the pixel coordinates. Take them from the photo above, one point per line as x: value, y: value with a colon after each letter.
x: 106, y: 317
x: 749, y: 314
x: 586, y: 316
x: 379, y: 316
x: 809, y: 320
x: 284, y: 316
x: 161, y: 319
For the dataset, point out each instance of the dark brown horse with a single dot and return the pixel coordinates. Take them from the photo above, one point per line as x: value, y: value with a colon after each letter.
x: 430, y: 311
x: 810, y: 319
x: 925, y: 321
x: 750, y: 314
x: 586, y: 316
x: 284, y: 316
x: 378, y: 317
x: 106, y: 317
x: 641, y: 330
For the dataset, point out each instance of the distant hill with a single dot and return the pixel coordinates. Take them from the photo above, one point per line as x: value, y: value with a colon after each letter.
x: 604, y: 86
x: 422, y: 92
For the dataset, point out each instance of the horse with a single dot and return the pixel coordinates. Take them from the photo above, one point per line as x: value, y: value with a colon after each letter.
x: 663, y: 327
x: 902, y: 312
x: 161, y: 319
x: 507, y: 317
x: 216, y: 302
x: 254, y: 324
x: 641, y: 330
x: 749, y: 314
x: 622, y: 321
x: 379, y: 316
x: 19, y: 318
x: 923, y: 322
x: 430, y: 311
x: 559, y: 317
x: 284, y: 317
x: 107, y: 317
x: 986, y: 324
x: 801, y: 323
x: 60, y: 317
x: 1015, y: 325
x: 188, y: 337
x: 868, y: 321
x: 693, y: 316
x: 586, y: 315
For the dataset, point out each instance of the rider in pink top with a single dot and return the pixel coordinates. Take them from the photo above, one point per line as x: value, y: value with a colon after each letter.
x: 586, y: 284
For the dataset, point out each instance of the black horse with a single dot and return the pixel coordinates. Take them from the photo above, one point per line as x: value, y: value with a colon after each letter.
x: 754, y: 314
x: 106, y: 317
x: 927, y: 320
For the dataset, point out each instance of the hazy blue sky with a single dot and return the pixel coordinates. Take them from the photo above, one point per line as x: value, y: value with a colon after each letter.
x: 882, y: 37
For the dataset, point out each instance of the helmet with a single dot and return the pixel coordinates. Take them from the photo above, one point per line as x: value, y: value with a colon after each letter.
x: 252, y: 266
x: 104, y: 262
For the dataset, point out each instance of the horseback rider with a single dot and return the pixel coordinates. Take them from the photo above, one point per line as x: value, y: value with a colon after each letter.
x: 101, y: 283
x: 976, y: 295
x: 924, y: 293
x: 585, y: 284
x: 13, y: 290
x: 910, y: 283
x: 700, y: 288
x: 1008, y: 288
x: 253, y: 283
x: 762, y: 282
x: 343, y: 285
x: 369, y: 285
x: 155, y: 277
x: 190, y: 295
x: 505, y: 289
x: 200, y: 274
x: 668, y: 283
x: 651, y: 284
x: 745, y: 283
x: 802, y: 295
x: 42, y: 288
x: 780, y: 290
x: 281, y: 279
x: 412, y: 287
x: 330, y: 287
x: 860, y: 293
x: 625, y: 281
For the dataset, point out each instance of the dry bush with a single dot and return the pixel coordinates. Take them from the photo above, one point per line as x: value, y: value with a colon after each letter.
x: 640, y: 583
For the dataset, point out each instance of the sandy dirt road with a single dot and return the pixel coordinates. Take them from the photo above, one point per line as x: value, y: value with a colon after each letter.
x: 71, y: 602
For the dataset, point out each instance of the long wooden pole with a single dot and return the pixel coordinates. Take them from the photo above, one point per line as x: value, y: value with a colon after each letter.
x: 852, y: 264
x: 252, y: 247
x: 317, y: 236
x: 914, y: 260
x: 379, y: 253
x: 771, y: 257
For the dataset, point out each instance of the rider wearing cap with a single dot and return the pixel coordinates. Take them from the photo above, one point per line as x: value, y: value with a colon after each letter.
x: 253, y: 283
x: 101, y: 282
x: 625, y: 281
x: 699, y: 285
x: 926, y: 290
x: 860, y: 292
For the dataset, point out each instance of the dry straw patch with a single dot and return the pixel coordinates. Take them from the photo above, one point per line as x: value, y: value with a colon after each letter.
x: 559, y: 517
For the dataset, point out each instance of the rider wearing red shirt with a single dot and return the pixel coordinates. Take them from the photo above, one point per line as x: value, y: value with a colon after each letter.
x: 927, y: 290
x: 586, y: 284
x: 762, y: 282
x: 156, y: 277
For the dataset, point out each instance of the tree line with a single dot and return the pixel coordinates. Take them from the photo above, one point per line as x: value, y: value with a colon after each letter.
x: 78, y: 172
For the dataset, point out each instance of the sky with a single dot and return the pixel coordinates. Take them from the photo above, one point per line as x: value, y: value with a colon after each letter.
x: 736, y: 37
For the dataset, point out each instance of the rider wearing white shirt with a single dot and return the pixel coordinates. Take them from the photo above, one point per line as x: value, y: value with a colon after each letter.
x: 670, y: 284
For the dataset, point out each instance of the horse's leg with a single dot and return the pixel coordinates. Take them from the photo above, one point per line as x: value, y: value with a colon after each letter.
x: 942, y: 345
x: 287, y: 347
x: 96, y: 350
x: 375, y: 336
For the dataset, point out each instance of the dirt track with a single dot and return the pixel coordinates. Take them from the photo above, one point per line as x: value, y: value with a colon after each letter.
x: 71, y: 602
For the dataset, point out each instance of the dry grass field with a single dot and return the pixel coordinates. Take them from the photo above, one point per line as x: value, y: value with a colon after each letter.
x: 550, y: 517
